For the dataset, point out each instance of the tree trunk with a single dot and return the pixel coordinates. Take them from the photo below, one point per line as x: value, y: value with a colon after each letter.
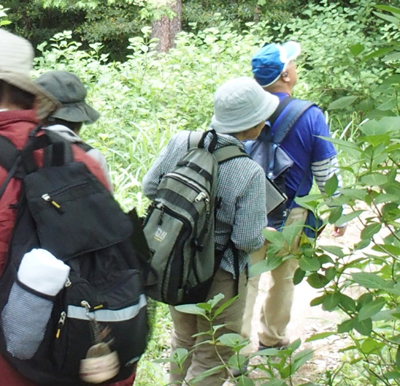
x: 165, y: 29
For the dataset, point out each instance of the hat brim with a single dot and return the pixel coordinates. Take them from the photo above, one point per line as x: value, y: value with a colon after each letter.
x: 45, y: 105
x: 77, y: 112
x: 270, y: 104
x: 293, y: 50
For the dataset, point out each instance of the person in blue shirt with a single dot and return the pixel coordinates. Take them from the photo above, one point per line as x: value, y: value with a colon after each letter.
x: 313, y: 158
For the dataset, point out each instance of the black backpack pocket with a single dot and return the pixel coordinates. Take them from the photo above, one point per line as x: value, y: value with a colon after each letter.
x: 105, y: 305
x: 59, y: 197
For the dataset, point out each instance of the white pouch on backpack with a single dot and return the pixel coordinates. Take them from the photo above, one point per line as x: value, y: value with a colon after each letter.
x: 24, y: 319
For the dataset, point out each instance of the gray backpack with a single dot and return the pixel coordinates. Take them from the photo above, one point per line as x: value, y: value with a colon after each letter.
x: 179, y: 226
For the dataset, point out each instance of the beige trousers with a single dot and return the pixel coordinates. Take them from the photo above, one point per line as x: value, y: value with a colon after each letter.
x: 275, y: 311
x: 205, y: 356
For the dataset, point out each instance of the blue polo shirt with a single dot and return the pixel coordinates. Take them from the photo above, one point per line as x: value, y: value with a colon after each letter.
x: 304, y: 147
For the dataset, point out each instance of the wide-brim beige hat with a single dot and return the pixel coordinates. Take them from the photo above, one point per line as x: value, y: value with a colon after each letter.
x: 16, y: 59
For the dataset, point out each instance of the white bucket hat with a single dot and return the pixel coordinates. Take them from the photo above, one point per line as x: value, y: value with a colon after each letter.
x: 16, y: 59
x: 240, y: 104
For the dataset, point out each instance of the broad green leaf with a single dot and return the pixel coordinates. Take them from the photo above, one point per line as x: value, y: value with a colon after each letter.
x: 316, y: 280
x: 370, y: 309
x: 392, y: 375
x: 348, y: 303
x: 383, y: 198
x: 391, y: 249
x: 273, y: 236
x: 377, y: 53
x: 224, y: 306
x: 348, y: 217
x: 335, y: 214
x: 236, y: 361
x: 298, y: 276
x: 230, y: 340
x: 300, y: 358
x: 321, y: 335
x: 309, y: 264
x: 357, y: 194
x: 364, y: 327
x: 388, y: 105
x: 330, y: 273
x: 393, y: 57
x: 370, y: 230
x: 207, y: 373
x: 390, y: 19
x: 270, y: 263
x: 317, y: 301
x: 342, y: 102
x: 398, y: 358
x: 342, y: 143
x: 331, y: 185
x: 369, y: 280
x: 180, y: 355
x: 216, y: 299
x: 244, y: 381
x: 356, y: 49
x: 330, y: 301
x: 371, y: 345
x: 190, y: 309
x: 345, y: 326
x: 374, y: 179
x: 388, y: 8
x: 337, y: 251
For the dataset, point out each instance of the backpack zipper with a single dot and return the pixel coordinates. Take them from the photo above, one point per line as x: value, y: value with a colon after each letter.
x: 203, y: 194
x: 61, y: 323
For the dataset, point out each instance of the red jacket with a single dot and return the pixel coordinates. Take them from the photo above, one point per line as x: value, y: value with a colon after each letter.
x: 16, y: 125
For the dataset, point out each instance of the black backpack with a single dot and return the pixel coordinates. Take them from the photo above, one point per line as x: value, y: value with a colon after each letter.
x: 267, y: 152
x: 64, y: 209
x: 179, y: 226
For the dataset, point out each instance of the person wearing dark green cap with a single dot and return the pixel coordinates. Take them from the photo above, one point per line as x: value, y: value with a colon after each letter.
x: 67, y: 121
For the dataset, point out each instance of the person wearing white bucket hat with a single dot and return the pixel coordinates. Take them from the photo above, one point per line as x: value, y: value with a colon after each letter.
x: 22, y: 105
x: 241, y: 107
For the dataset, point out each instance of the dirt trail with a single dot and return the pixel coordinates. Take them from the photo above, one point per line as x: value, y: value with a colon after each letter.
x: 307, y: 321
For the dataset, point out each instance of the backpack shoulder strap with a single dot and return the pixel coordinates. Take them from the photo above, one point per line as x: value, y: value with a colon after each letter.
x: 296, y: 109
x: 194, y: 139
x: 8, y: 153
x: 84, y: 146
x: 226, y: 153
x: 10, y: 160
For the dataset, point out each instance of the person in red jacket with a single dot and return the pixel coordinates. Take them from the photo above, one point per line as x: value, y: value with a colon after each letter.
x: 22, y: 105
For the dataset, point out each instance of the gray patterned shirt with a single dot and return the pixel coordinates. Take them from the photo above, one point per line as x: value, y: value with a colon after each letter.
x: 241, y: 186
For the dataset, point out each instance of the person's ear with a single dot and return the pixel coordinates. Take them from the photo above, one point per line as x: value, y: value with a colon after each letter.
x: 285, y: 76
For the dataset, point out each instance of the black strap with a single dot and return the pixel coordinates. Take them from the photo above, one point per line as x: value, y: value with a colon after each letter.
x: 10, y: 160
x: 197, y: 139
x: 84, y: 146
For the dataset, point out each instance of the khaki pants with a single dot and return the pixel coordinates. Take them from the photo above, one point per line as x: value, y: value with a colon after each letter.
x: 275, y: 311
x: 206, y: 356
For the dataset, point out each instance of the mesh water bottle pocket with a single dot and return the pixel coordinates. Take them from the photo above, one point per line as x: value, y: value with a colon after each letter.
x: 24, y: 320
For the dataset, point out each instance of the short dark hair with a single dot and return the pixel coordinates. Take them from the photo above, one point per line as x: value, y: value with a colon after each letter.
x: 16, y: 96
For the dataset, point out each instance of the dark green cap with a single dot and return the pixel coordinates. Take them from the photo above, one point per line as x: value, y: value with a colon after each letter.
x: 71, y: 93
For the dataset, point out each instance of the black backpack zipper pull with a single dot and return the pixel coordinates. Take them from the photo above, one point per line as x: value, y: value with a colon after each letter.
x: 61, y: 323
x: 46, y: 197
